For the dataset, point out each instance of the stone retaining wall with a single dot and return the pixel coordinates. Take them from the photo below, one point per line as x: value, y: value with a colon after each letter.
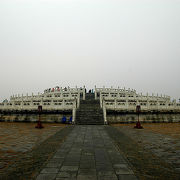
x: 111, y: 118
x: 132, y: 118
x: 33, y: 117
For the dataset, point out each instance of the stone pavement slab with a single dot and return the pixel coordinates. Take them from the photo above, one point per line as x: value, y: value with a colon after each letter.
x: 87, y: 153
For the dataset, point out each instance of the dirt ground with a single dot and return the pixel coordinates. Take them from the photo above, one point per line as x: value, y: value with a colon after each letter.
x: 17, y: 138
x: 18, y: 135
x: 152, y: 149
x: 171, y: 129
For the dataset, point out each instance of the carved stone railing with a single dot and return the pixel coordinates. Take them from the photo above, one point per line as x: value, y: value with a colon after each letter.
x: 127, y: 100
x: 54, y: 104
x: 69, y: 93
x: 53, y: 99
x: 146, y: 106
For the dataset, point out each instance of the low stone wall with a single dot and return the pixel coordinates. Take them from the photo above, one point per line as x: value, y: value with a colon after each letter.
x: 111, y: 118
x: 132, y: 118
x: 33, y: 117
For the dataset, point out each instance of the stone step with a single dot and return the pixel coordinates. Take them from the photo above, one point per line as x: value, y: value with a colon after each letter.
x: 89, y: 100
x: 89, y: 123
x: 89, y: 108
x: 90, y: 103
x: 89, y: 118
x: 88, y: 114
x: 89, y: 111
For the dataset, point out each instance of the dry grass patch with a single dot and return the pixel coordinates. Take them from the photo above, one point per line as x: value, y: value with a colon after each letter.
x: 171, y: 129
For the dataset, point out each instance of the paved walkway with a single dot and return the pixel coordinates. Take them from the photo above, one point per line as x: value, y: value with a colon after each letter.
x: 87, y: 153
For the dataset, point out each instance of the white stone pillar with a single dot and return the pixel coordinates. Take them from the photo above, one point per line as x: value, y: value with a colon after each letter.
x: 78, y: 102
x: 84, y: 94
x: 101, y: 99
x: 127, y: 104
x: 95, y: 92
x: 31, y: 104
x: 73, y: 115
x: 104, y: 113
x: 41, y: 101
x: 174, y: 105
x: 61, y: 95
x: 118, y: 95
x: 148, y: 105
x: 63, y: 104
x: 21, y: 105
x: 115, y: 103
x: 158, y: 106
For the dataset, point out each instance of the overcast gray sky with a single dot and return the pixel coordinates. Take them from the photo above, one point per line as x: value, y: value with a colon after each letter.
x: 131, y: 43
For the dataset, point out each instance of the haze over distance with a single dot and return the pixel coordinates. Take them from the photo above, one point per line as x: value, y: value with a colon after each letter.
x: 127, y: 43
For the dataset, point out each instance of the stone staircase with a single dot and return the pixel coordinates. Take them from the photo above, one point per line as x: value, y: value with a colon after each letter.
x: 89, y: 111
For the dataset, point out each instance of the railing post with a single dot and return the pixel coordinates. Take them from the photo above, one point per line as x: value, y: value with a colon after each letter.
x: 84, y: 93
x: 127, y: 104
x: 21, y: 105
x: 158, y: 106
x: 101, y: 99
x: 63, y: 104
x: 148, y: 105
x: 115, y: 105
x: 95, y: 92
x: 74, y: 115
x: 104, y: 113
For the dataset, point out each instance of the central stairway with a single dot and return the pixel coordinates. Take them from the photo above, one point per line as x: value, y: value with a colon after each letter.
x: 89, y: 112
